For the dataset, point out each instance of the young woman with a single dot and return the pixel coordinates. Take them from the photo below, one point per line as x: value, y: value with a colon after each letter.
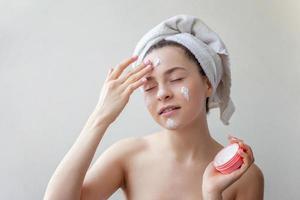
x: 174, y: 163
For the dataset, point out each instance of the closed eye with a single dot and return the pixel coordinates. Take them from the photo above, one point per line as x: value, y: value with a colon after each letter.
x: 177, y: 79
x: 148, y: 89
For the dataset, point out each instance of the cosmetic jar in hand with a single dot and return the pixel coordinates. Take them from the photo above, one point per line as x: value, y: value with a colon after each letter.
x: 228, y: 159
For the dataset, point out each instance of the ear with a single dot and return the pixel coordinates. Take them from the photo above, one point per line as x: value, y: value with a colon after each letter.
x: 208, y: 87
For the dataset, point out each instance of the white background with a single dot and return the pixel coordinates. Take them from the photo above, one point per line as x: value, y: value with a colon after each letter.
x: 54, y: 56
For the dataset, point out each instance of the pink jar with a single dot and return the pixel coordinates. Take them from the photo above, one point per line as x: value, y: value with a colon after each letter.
x: 228, y: 159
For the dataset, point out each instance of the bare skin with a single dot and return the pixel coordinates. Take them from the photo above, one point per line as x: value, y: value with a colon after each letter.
x: 153, y: 172
x: 172, y: 164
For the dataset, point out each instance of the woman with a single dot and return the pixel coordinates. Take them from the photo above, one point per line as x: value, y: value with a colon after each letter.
x: 174, y: 163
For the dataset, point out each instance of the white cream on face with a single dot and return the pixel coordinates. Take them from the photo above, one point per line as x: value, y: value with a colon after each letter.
x: 160, y: 93
x: 171, y: 124
x: 156, y: 62
x: 185, y: 92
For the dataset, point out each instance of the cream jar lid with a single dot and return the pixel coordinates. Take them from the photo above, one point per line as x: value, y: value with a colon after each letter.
x: 227, y: 154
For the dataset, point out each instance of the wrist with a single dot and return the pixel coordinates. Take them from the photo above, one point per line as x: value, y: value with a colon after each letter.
x: 212, y: 196
x: 98, y: 118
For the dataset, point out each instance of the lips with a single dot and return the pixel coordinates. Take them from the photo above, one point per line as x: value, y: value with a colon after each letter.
x: 168, y: 108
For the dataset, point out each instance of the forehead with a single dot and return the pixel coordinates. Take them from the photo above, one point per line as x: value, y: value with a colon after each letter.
x: 171, y: 60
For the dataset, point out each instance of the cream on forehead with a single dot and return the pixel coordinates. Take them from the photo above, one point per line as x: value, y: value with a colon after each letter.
x: 156, y: 62
x: 185, y: 92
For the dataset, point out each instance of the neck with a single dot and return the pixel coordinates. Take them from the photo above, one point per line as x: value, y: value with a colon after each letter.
x: 192, y: 142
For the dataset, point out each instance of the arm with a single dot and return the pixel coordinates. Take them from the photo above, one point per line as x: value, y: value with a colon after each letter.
x: 252, y: 185
x: 214, y: 182
x: 66, y: 182
x: 108, y: 172
x: 213, y: 196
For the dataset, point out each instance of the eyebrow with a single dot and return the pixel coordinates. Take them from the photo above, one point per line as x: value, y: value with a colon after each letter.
x: 169, y: 71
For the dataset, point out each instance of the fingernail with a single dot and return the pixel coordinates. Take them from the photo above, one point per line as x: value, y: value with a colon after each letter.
x: 146, y: 62
x: 241, y: 151
x: 134, y: 56
x: 235, y: 138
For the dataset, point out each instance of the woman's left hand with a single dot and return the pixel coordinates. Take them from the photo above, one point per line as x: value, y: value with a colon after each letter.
x: 214, y: 182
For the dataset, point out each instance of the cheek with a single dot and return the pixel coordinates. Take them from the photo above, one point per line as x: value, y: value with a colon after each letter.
x: 185, y: 92
x: 192, y: 97
x: 147, y: 101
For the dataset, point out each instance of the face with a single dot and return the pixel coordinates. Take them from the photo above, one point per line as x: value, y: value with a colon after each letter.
x: 175, y: 80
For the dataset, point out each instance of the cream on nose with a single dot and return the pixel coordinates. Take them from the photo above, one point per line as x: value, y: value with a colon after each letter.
x: 160, y: 93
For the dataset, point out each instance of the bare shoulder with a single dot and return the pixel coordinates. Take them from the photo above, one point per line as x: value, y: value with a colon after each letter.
x: 111, y: 167
x: 130, y: 147
x: 251, y: 184
x: 135, y: 144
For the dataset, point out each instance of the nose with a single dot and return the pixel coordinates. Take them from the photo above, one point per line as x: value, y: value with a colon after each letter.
x: 163, y: 94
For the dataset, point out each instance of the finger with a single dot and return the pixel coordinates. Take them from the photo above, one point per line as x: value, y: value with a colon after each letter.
x: 138, y: 75
x: 234, y: 140
x: 247, y: 162
x: 229, y: 137
x: 246, y: 159
x: 109, y: 73
x: 233, y: 137
x: 251, y: 153
x: 243, y: 146
x: 129, y: 90
x: 239, y: 172
x: 248, y: 150
x: 136, y: 70
x: 121, y: 67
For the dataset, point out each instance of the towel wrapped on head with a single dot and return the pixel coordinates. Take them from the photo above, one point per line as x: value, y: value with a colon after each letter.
x: 206, y: 46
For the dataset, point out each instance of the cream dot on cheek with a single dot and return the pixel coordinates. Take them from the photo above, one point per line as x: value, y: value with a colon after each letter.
x: 185, y: 92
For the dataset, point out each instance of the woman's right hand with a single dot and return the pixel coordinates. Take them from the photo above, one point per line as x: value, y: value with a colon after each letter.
x: 117, y: 89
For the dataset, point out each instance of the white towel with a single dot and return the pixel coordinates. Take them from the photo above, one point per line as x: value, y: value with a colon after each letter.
x: 207, y: 47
